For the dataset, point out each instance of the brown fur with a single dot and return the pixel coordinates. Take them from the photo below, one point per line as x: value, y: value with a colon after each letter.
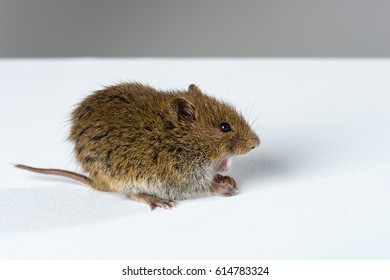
x: 157, y: 146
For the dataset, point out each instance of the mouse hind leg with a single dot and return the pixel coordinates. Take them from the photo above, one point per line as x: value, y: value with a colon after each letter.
x: 152, y: 201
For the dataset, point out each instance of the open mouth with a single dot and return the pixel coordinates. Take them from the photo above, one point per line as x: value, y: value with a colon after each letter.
x: 224, y: 165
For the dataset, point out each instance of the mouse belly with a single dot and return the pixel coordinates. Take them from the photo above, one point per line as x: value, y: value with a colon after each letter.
x: 187, y: 187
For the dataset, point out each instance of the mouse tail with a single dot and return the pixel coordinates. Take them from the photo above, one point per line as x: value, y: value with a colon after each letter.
x: 58, y: 172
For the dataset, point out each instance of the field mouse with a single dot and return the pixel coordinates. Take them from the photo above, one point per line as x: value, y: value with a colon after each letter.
x: 156, y: 146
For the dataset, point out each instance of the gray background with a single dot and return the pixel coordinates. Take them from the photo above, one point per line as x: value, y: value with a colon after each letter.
x: 213, y: 28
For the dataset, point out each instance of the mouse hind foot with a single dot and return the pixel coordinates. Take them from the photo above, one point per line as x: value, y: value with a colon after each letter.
x: 152, y: 201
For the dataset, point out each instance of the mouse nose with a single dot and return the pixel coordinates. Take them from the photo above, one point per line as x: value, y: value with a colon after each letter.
x: 256, y: 142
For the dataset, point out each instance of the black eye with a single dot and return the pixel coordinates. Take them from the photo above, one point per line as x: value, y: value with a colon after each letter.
x: 225, y: 127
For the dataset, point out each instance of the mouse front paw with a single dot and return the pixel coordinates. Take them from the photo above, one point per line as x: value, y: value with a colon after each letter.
x: 223, y: 186
x: 225, y: 180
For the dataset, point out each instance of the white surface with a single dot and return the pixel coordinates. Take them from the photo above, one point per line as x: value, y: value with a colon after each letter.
x: 317, y: 188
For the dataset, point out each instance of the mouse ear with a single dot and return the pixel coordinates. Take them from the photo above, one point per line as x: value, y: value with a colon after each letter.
x: 193, y: 89
x: 182, y: 110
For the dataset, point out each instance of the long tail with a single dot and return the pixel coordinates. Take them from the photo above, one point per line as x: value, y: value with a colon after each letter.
x: 58, y: 172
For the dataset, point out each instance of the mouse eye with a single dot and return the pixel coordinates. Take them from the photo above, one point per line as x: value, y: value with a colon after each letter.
x: 225, y: 127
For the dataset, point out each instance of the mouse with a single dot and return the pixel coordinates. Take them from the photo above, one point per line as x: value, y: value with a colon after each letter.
x: 156, y: 147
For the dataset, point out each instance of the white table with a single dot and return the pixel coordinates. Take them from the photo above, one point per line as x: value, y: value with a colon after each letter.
x: 317, y: 188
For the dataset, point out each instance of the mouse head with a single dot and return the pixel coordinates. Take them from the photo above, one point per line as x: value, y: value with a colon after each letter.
x: 218, y: 125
